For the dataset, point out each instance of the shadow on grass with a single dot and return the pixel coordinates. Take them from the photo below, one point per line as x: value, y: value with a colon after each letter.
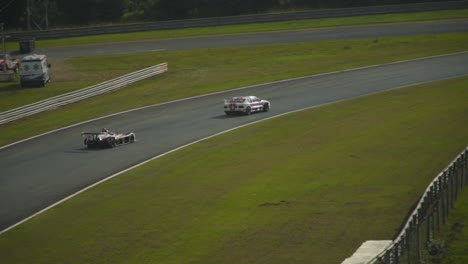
x: 10, y: 86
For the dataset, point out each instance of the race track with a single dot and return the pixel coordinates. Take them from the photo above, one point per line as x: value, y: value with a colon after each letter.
x: 41, y: 171
x: 365, y: 31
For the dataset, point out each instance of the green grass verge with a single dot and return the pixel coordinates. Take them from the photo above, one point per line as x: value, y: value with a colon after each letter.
x: 308, y: 187
x: 249, y: 28
x: 455, y: 233
x: 209, y: 70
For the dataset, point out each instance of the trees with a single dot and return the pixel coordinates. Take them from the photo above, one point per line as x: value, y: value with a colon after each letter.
x: 11, y: 13
x: 87, y: 12
x: 90, y: 12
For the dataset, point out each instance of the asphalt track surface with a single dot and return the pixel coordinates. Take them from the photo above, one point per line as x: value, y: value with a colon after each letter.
x: 367, y: 31
x: 39, y: 172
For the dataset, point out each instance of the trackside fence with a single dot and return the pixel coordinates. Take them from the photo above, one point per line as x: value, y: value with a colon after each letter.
x: 75, y: 96
x: 242, y: 19
x: 417, y: 241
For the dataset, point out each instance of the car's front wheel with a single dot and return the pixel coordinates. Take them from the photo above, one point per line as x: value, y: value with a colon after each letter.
x: 248, y: 110
x: 266, y: 107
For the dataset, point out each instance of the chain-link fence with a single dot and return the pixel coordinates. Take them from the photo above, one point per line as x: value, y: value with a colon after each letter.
x: 417, y: 241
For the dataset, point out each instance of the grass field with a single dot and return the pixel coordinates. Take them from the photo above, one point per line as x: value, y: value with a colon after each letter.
x: 454, y: 234
x: 329, y: 179
x: 312, y: 193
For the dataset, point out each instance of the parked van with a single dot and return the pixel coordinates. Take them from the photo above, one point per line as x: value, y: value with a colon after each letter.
x: 34, y: 71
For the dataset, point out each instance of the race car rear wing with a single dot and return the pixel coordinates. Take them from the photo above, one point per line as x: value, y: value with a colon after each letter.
x: 230, y: 101
x: 89, y: 133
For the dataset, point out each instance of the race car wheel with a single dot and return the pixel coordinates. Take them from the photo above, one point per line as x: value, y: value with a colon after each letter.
x: 132, y: 139
x: 112, y: 144
x: 248, y: 110
x: 266, y: 107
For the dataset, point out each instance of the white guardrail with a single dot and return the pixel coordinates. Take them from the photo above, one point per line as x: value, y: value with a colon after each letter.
x: 60, y: 100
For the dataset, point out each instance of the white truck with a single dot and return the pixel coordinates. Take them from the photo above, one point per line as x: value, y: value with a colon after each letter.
x: 34, y: 71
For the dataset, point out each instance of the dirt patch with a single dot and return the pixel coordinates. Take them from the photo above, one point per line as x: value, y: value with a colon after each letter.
x: 280, y: 203
x: 62, y: 70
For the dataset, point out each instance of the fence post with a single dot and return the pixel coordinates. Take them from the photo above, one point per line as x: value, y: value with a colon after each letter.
x: 451, y: 182
x: 437, y: 204
x: 398, y: 252
x: 428, y: 215
x: 464, y: 167
x: 418, y: 226
x: 444, y: 198
x: 457, y: 177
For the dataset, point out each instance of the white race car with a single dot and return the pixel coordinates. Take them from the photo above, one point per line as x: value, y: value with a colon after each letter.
x: 107, y: 139
x: 246, y: 105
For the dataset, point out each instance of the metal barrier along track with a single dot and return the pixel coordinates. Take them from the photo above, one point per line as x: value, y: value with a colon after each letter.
x: 242, y: 19
x: 79, y: 95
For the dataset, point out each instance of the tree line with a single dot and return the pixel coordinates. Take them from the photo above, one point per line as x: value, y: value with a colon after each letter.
x: 20, y: 14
